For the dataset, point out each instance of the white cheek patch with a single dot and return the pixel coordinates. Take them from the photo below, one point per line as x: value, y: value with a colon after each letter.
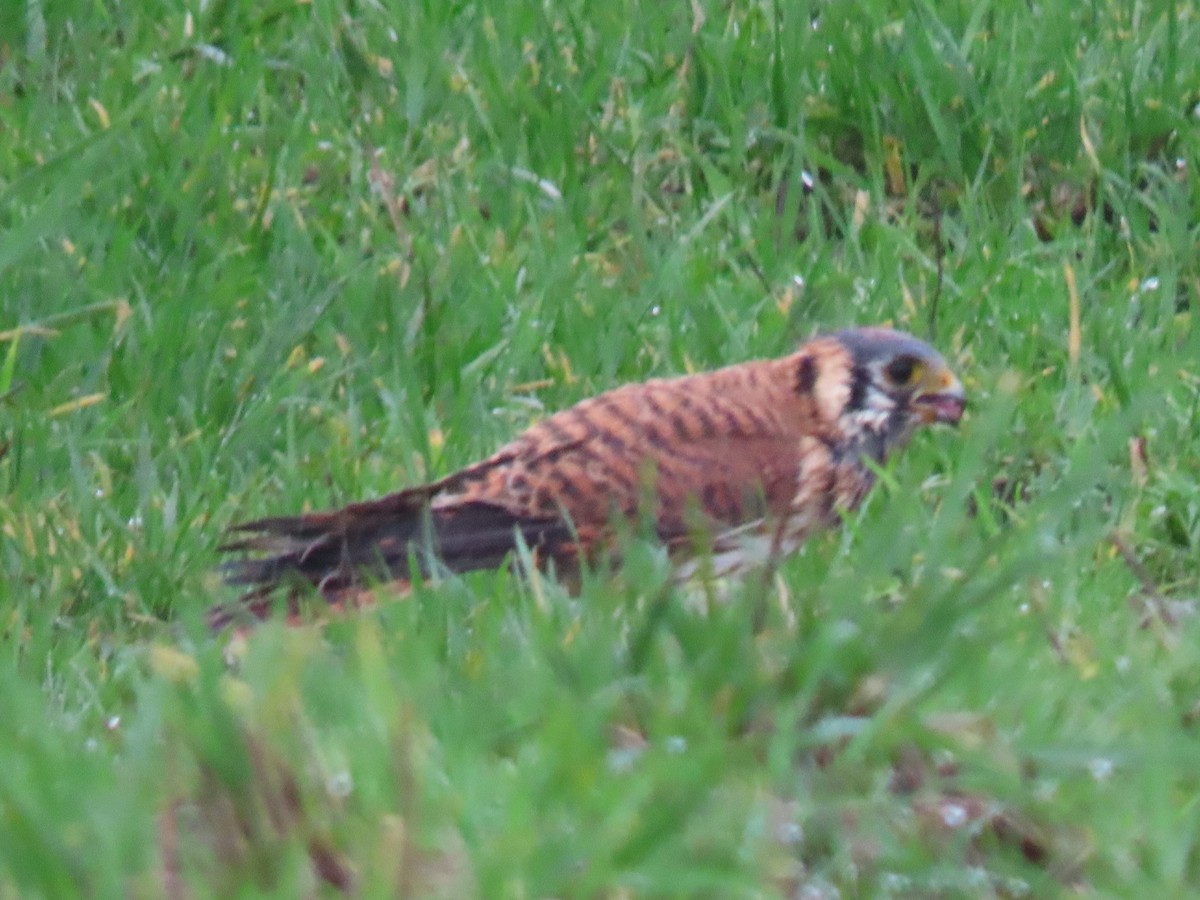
x: 876, y: 412
x: 872, y: 419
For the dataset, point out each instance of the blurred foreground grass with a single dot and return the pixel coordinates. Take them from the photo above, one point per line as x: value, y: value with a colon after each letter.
x: 262, y: 257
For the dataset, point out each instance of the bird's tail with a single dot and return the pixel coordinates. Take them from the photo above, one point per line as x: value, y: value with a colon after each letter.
x: 375, y: 542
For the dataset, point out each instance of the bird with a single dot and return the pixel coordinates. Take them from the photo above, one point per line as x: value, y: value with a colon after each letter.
x: 730, y: 469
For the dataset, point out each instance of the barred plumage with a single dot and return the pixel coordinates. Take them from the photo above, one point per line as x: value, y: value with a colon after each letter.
x: 765, y: 448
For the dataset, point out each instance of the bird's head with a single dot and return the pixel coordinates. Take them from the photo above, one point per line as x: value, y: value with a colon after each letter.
x: 895, y: 384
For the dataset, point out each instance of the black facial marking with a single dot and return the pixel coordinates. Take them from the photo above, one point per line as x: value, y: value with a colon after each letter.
x: 860, y: 379
x: 875, y: 445
x: 898, y: 422
x: 806, y: 375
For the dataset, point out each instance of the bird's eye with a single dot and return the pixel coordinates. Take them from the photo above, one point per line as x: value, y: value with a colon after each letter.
x: 903, y: 371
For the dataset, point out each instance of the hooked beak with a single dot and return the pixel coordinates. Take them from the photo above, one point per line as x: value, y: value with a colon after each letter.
x: 941, y: 399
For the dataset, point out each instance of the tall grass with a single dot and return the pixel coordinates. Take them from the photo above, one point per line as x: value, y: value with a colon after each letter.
x: 260, y: 258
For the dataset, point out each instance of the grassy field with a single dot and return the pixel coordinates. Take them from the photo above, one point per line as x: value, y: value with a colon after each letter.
x: 259, y: 257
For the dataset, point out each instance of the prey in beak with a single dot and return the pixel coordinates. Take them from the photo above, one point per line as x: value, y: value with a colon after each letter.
x: 940, y: 398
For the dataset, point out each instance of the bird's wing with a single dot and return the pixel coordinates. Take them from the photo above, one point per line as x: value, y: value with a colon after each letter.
x: 712, y: 450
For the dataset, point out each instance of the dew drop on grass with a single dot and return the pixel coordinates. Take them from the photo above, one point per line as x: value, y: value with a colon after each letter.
x: 622, y: 759
x: 676, y: 744
x: 1016, y: 887
x: 1101, y: 768
x: 339, y: 784
x: 895, y: 883
x: 978, y: 878
x: 954, y: 815
x: 789, y: 833
x: 1045, y: 790
x: 818, y: 889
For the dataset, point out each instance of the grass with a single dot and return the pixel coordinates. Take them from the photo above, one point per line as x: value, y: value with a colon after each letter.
x: 263, y: 257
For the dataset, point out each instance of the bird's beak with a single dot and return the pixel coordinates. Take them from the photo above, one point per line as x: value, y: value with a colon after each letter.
x: 941, y: 398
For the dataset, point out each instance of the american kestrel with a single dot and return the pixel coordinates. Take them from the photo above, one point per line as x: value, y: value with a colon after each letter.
x: 732, y: 468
